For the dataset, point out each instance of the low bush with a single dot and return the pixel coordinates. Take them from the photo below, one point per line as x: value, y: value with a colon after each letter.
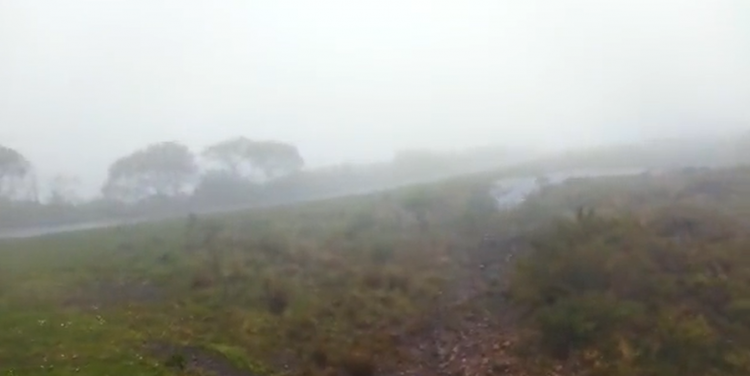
x: 624, y: 297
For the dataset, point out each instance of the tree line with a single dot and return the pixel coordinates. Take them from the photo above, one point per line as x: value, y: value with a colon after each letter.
x: 169, y: 169
x: 164, y: 169
x: 167, y: 178
x: 162, y: 178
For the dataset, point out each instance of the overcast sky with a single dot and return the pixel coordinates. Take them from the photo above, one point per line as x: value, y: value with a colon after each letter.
x: 85, y: 81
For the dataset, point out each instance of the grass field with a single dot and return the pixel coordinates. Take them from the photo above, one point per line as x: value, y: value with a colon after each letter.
x: 402, y: 282
x: 305, y: 289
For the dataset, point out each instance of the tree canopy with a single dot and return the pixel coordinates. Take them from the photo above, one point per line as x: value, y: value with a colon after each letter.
x: 258, y: 160
x: 14, y: 167
x: 234, y: 155
x: 161, y: 169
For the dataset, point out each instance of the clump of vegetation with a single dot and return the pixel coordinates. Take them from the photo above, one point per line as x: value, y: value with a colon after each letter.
x: 620, y: 296
x: 319, y: 357
x: 418, y: 203
x: 176, y: 361
x: 382, y: 253
x: 358, y: 364
x: 276, y: 296
x: 355, y: 285
x: 201, y: 281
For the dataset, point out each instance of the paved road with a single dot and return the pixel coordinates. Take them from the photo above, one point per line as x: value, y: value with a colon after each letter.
x: 512, y: 192
x: 509, y: 193
x: 58, y: 229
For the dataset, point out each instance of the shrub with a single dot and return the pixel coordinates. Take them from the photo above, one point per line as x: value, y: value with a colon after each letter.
x: 381, y: 253
x: 319, y: 357
x: 623, y: 297
x: 201, y: 280
x: 176, y: 361
x: 275, y: 296
x: 358, y: 364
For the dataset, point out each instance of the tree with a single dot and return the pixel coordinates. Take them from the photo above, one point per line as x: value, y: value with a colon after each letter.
x: 277, y: 159
x: 165, y: 169
x: 248, y: 159
x: 14, y: 169
x: 234, y: 155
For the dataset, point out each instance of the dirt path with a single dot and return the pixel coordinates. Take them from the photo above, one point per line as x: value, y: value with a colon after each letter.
x: 467, y: 336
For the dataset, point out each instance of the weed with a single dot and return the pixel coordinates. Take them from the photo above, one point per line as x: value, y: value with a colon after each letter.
x: 319, y: 357
x: 397, y: 281
x: 276, y: 296
x: 373, y: 279
x: 358, y: 364
x: 382, y: 254
x: 176, y: 361
x: 126, y: 246
x: 201, y: 280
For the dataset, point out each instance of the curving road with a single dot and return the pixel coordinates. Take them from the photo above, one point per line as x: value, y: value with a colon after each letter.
x: 511, y: 192
x: 508, y: 192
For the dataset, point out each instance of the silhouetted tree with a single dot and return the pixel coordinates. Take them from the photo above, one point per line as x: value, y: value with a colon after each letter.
x: 278, y: 159
x: 162, y: 169
x: 247, y: 158
x: 14, y: 169
x: 234, y: 155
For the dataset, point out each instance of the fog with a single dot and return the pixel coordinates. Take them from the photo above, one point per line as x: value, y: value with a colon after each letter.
x: 83, y: 82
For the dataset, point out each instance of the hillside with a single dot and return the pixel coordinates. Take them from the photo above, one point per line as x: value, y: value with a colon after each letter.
x: 424, y: 280
x: 219, y: 190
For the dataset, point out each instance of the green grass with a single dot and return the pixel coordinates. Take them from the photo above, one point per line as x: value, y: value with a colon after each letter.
x: 43, y: 340
x: 322, y: 287
x: 329, y: 276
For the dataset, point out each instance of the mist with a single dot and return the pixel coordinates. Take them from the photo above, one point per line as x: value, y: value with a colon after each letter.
x: 84, y: 82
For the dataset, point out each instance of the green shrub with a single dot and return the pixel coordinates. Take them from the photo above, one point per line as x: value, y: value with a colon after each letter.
x: 623, y: 297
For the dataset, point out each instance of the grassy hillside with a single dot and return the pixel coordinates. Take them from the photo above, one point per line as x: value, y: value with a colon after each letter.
x: 307, y: 288
x: 416, y: 281
x: 651, y: 280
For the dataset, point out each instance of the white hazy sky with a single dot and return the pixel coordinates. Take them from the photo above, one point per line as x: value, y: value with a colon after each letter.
x: 85, y: 81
